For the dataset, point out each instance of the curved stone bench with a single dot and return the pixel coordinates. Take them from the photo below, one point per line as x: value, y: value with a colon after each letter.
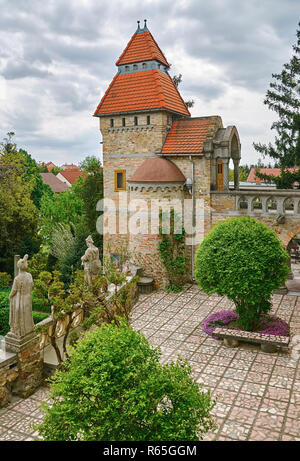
x: 268, y: 343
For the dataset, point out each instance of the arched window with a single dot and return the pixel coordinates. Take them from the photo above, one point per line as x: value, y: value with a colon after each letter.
x: 272, y: 205
x: 257, y: 204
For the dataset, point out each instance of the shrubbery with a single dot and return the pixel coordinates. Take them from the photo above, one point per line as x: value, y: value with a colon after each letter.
x: 242, y: 259
x: 114, y: 388
x: 5, y: 280
x: 4, y: 319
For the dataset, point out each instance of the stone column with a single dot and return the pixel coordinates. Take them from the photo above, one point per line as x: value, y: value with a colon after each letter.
x: 16, y: 270
x: 236, y: 163
x: 225, y: 174
x: 214, y: 173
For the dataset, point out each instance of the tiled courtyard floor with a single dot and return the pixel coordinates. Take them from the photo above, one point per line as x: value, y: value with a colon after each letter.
x: 258, y: 393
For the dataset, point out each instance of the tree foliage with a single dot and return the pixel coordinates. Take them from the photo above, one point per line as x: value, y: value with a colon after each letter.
x: 283, y: 98
x: 114, y: 388
x: 242, y: 259
x: 18, y: 213
x: 177, y: 79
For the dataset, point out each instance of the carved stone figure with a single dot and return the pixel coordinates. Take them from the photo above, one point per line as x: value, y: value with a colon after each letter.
x: 20, y: 314
x: 91, y: 261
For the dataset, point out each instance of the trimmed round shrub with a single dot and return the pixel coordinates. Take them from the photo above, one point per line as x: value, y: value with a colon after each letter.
x: 243, y: 259
x: 114, y: 388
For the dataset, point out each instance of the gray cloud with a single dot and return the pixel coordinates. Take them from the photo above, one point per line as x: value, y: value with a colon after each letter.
x: 58, y: 57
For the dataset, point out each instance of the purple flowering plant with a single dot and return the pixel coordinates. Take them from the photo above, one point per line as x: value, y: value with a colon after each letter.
x: 268, y: 324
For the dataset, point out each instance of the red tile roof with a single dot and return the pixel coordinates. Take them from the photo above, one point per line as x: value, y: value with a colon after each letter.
x: 140, y: 91
x: 268, y: 171
x: 186, y: 136
x: 157, y: 170
x: 72, y: 175
x: 142, y: 47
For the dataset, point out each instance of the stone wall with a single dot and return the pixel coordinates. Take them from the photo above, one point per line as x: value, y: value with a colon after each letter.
x: 285, y: 222
x: 125, y: 148
x: 20, y: 372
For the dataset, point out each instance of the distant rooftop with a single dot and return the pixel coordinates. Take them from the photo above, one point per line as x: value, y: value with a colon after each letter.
x: 56, y: 184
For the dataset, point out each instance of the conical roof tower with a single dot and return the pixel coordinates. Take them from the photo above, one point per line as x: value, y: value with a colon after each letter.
x: 142, y: 82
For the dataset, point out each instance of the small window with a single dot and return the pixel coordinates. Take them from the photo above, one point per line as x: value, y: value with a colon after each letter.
x: 135, y: 66
x: 127, y: 68
x: 123, y: 121
x: 120, y: 180
x: 148, y: 119
x: 144, y: 65
x: 135, y: 121
x: 111, y: 122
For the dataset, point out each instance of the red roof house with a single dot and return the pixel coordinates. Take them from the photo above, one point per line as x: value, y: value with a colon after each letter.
x: 269, y: 171
x: 69, y: 177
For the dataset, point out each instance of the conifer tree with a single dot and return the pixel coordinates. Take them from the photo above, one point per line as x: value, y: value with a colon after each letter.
x: 283, y: 97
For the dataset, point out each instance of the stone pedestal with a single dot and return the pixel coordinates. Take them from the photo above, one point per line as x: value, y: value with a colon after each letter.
x: 30, y: 363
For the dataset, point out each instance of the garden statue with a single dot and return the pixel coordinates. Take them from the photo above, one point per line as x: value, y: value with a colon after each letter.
x: 126, y: 268
x: 20, y: 314
x: 91, y: 261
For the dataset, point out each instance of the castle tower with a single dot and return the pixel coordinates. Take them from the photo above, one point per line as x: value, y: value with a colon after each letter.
x: 135, y: 113
x: 154, y: 150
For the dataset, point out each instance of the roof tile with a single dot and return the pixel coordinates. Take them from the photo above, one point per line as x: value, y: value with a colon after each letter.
x: 186, y: 136
x: 142, y: 47
x: 138, y: 91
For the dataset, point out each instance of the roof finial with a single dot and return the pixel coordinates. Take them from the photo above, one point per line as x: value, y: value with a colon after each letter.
x: 138, y: 22
x: 145, y: 25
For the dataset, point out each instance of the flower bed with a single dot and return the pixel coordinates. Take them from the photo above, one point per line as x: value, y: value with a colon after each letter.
x: 269, y: 324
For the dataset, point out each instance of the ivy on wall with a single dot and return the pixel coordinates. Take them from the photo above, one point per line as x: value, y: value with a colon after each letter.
x: 172, y: 250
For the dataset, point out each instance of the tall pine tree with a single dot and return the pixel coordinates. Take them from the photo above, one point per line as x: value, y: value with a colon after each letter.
x: 283, y: 97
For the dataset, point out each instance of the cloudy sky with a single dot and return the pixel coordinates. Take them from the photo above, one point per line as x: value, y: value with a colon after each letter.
x: 58, y: 57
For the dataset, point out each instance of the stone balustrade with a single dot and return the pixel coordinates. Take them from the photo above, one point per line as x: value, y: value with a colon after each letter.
x: 255, y: 202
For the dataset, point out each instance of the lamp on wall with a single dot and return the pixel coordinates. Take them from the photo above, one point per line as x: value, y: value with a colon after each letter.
x: 189, y: 185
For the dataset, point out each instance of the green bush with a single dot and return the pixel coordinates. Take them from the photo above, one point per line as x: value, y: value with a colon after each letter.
x: 243, y: 259
x: 5, y: 280
x: 4, y: 298
x: 114, y: 388
x: 4, y: 320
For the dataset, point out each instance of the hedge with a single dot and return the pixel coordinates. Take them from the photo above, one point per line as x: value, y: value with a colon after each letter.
x: 4, y: 320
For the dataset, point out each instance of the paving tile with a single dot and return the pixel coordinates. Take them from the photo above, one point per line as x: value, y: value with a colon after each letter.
x: 274, y: 407
x: 277, y: 393
x: 248, y: 401
x: 292, y: 427
x: 269, y: 421
x: 235, y: 431
x: 263, y: 434
x: 242, y: 415
x: 253, y: 389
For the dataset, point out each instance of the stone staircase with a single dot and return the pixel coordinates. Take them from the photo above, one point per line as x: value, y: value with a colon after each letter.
x: 145, y: 284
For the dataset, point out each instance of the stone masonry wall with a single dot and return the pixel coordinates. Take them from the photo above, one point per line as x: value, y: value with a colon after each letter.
x: 125, y: 148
